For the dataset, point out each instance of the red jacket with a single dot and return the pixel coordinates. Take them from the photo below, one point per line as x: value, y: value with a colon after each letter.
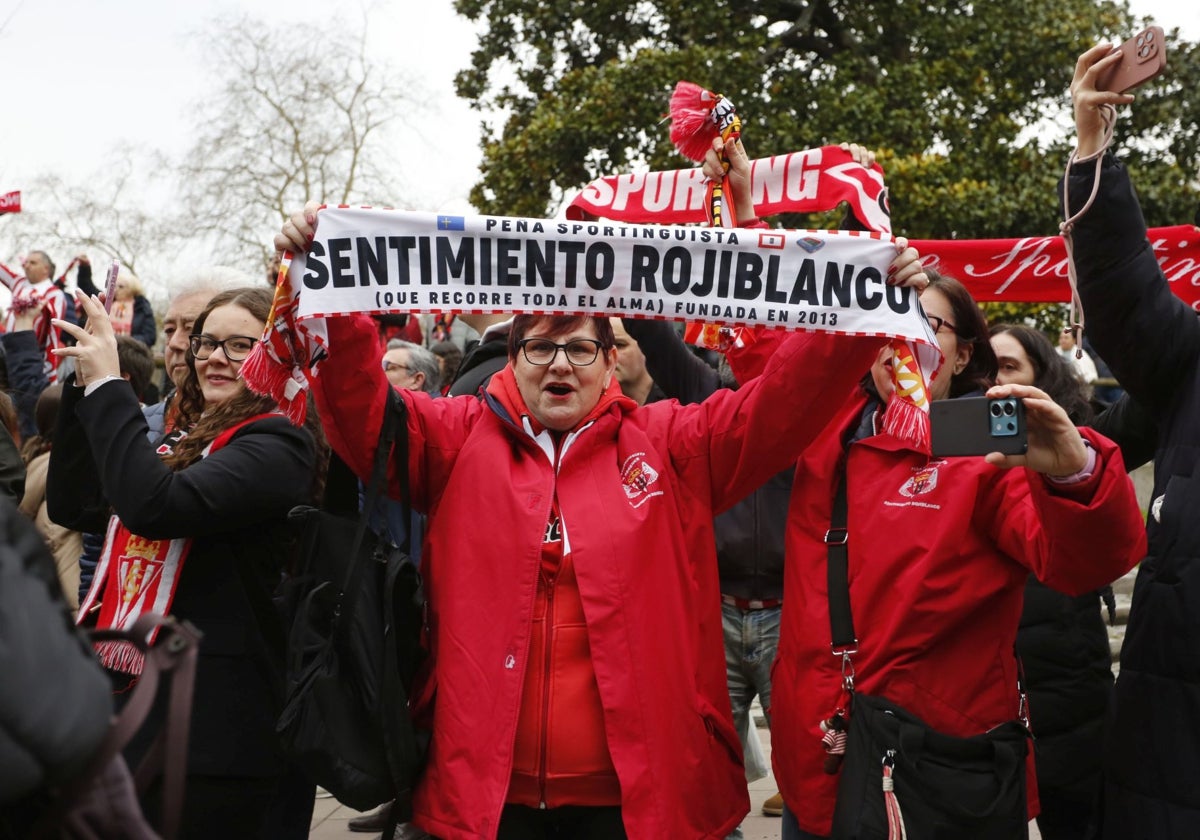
x: 637, y: 488
x: 939, y: 551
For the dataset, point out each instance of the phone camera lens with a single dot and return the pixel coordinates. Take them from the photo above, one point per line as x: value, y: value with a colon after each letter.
x: 995, y: 409
x: 1009, y: 409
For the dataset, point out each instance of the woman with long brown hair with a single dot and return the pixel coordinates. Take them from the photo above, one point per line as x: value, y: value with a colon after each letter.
x: 199, y: 532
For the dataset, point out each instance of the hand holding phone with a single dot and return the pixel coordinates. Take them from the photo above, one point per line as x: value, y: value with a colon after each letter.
x: 1143, y: 57
x: 977, y: 426
x: 110, y: 287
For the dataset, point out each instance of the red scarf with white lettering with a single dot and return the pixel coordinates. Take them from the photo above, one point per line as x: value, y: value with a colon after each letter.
x: 810, y: 181
x: 136, y: 575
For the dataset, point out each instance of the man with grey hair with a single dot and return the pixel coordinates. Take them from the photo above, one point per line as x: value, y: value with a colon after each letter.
x: 411, y: 367
x: 187, y: 301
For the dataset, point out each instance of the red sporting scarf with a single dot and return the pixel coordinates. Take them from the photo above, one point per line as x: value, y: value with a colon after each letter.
x: 811, y: 181
x: 136, y: 575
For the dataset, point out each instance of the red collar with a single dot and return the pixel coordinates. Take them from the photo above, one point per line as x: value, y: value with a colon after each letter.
x: 503, y: 386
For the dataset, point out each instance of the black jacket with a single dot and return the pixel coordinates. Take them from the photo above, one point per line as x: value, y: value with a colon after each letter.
x: 1063, y: 646
x: 1064, y: 649
x: 27, y: 378
x: 234, y: 506
x: 55, y: 702
x: 1151, y: 339
x: 750, y: 534
x: 482, y: 361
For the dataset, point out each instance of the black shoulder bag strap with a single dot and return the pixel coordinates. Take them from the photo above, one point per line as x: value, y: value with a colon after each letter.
x: 399, y: 739
x: 352, y: 582
x: 844, y: 642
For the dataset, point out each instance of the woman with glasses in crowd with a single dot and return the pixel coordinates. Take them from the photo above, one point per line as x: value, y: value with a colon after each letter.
x: 198, y: 532
x: 574, y: 604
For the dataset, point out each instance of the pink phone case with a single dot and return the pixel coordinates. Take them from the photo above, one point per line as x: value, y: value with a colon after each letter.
x: 1143, y: 57
x: 110, y: 287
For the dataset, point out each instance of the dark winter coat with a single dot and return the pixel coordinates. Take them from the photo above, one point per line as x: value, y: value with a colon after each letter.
x: 233, y: 505
x: 1151, y: 339
x: 55, y: 703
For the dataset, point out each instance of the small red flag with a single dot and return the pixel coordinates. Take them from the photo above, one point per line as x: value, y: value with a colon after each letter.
x: 10, y: 202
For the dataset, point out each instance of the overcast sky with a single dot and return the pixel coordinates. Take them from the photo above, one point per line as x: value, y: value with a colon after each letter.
x: 82, y: 75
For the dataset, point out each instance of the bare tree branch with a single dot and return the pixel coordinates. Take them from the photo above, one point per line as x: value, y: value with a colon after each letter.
x: 286, y: 125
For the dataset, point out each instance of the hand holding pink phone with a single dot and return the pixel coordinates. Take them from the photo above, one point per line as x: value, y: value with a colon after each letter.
x: 110, y: 287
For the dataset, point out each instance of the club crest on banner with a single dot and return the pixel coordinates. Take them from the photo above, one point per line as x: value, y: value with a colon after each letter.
x: 138, y: 570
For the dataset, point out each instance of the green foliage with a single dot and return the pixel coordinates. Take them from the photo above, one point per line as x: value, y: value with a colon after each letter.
x: 965, y: 102
x: 1050, y: 318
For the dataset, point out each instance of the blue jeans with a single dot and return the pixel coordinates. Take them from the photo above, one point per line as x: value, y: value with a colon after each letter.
x: 792, y: 830
x: 751, y: 639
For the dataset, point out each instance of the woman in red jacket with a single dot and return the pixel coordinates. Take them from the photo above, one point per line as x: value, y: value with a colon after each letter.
x: 578, y: 687
x: 939, y: 549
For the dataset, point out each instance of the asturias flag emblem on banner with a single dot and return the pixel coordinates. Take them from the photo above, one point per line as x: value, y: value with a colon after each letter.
x: 450, y: 222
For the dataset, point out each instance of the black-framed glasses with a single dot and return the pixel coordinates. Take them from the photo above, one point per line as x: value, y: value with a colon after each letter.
x: 936, y: 324
x: 388, y: 367
x: 236, y: 347
x: 580, y: 352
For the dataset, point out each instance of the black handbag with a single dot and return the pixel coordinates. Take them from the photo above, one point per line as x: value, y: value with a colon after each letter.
x: 900, y: 776
x: 355, y: 608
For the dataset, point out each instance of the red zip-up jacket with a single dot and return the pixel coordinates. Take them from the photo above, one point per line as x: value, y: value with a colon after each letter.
x: 939, y: 550
x: 637, y: 488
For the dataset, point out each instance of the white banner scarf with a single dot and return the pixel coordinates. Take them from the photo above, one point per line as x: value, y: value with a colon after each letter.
x: 365, y: 260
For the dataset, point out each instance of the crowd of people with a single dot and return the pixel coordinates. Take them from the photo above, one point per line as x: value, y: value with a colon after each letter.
x: 624, y: 544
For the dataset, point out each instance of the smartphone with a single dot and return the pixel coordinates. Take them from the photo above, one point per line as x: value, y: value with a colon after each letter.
x: 110, y: 287
x: 1143, y: 57
x: 977, y: 426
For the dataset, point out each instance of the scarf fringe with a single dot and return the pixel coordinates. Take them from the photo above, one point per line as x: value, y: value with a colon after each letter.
x: 268, y: 376
x: 120, y: 656
x: 907, y: 422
